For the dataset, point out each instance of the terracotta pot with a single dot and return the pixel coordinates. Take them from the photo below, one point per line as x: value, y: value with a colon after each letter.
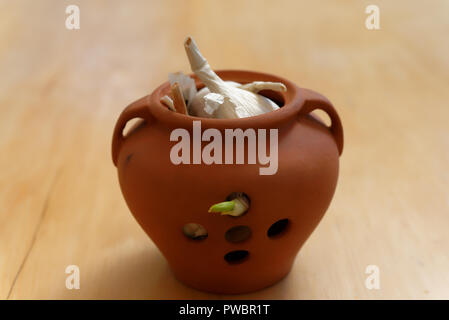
x: 163, y: 197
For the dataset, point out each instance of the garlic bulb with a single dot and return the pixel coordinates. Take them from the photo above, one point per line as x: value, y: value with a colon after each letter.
x: 239, y: 101
x: 205, y: 103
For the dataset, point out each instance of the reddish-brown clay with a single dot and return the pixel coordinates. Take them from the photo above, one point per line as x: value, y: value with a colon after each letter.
x: 163, y: 197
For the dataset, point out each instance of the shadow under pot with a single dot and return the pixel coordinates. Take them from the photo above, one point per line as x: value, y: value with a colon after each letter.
x: 285, y: 207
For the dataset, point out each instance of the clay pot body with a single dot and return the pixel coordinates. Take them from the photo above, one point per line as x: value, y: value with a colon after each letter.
x: 163, y: 197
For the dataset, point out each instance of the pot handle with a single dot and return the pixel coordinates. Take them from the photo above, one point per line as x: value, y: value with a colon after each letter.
x: 313, y: 101
x: 137, y: 109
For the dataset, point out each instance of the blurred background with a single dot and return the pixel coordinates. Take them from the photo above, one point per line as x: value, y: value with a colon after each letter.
x: 62, y: 90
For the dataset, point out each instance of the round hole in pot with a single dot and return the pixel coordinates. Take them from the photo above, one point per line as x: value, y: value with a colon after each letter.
x: 238, y: 234
x: 236, y: 256
x: 194, y: 231
x: 278, y: 228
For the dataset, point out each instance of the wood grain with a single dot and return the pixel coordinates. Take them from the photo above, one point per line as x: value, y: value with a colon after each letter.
x: 61, y: 92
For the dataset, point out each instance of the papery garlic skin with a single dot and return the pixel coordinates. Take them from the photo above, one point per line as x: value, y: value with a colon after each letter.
x: 199, y: 104
x: 240, y: 103
x: 186, y: 83
x: 212, y: 101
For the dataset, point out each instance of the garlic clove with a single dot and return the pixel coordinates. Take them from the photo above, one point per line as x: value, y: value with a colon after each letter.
x: 186, y: 83
x: 194, y: 231
x: 168, y: 102
x: 178, y: 99
x: 240, y: 103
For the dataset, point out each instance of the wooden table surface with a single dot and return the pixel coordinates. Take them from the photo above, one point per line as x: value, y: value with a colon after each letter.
x: 61, y: 92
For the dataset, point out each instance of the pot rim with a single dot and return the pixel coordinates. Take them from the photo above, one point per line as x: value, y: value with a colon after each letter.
x: 293, y: 102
